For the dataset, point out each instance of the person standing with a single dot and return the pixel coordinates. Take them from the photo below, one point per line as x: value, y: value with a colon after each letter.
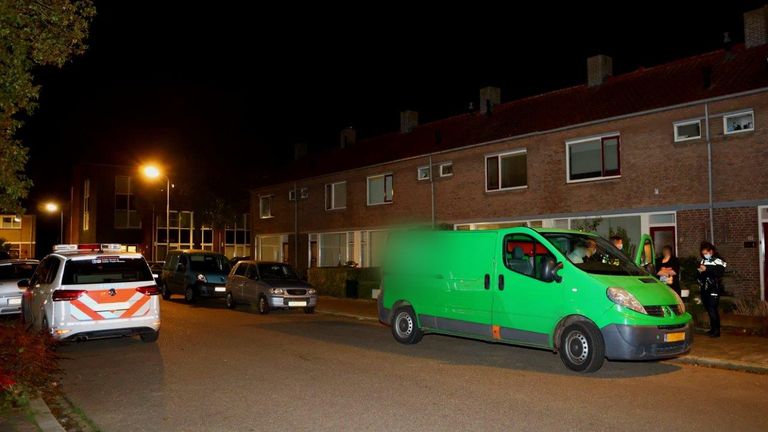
x: 669, y: 269
x: 711, y: 270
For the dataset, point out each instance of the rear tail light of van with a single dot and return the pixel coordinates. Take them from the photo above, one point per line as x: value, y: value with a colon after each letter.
x: 67, y: 295
x: 149, y: 290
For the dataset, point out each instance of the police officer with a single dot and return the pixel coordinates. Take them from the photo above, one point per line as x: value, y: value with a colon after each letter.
x: 711, y: 269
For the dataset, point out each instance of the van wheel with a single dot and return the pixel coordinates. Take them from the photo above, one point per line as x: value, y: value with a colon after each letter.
x: 164, y: 292
x: 189, y: 295
x: 230, y: 301
x: 582, y: 348
x: 405, y: 329
x: 263, y: 305
x: 150, y: 337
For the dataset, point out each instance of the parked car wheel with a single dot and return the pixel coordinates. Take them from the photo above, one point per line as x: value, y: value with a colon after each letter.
x: 582, y: 348
x: 405, y: 328
x: 230, y: 301
x: 189, y: 295
x: 150, y: 337
x: 263, y: 305
x: 164, y: 291
x: 309, y: 310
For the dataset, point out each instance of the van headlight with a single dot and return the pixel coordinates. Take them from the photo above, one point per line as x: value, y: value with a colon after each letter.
x: 622, y: 297
x: 276, y: 290
x: 202, y: 278
x: 680, y: 303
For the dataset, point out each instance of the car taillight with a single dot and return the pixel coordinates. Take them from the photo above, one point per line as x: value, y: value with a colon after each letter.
x: 149, y: 290
x: 67, y: 295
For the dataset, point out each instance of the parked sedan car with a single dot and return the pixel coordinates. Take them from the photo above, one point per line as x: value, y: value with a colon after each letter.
x: 11, y: 272
x: 269, y: 285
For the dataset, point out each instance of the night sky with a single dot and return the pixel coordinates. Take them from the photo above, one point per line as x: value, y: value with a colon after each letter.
x: 227, y: 90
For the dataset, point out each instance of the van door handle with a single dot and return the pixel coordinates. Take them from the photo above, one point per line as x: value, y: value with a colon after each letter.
x: 487, y: 281
x: 501, y: 282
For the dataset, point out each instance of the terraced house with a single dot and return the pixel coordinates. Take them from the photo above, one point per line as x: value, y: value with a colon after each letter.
x: 678, y: 150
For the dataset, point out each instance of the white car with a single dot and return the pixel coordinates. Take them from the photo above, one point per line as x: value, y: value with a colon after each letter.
x: 82, y: 292
x: 11, y: 272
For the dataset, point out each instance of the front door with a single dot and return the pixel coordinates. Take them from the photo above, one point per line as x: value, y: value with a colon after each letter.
x: 765, y: 260
x: 664, y: 236
x: 525, y: 307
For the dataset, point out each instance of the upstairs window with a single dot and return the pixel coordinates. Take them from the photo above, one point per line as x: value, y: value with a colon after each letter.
x: 423, y: 173
x: 593, y: 158
x: 336, y: 196
x: 446, y: 169
x: 126, y: 214
x: 688, y: 130
x: 10, y: 222
x: 265, y: 207
x: 380, y: 189
x: 506, y: 171
x: 739, y: 122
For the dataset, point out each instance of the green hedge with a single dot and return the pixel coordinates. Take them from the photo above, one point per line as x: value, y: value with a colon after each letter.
x: 332, y: 281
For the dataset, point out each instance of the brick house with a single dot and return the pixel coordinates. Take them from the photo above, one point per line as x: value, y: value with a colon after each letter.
x: 20, y: 233
x: 676, y: 150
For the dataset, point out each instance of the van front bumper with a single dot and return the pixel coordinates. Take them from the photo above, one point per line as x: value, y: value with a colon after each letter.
x: 626, y: 342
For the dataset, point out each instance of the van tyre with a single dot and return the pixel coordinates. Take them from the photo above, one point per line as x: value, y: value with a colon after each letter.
x: 582, y: 348
x: 150, y: 337
x: 164, y: 292
x: 189, y: 295
x: 405, y: 328
x: 263, y: 305
x: 229, y: 300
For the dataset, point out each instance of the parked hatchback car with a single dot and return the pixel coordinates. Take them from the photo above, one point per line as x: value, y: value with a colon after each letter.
x: 11, y: 272
x: 269, y: 285
x: 194, y: 273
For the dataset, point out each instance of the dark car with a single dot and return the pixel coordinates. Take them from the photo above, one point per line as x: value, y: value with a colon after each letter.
x: 195, y: 274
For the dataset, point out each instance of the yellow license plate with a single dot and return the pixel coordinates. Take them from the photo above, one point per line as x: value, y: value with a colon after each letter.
x: 674, y: 337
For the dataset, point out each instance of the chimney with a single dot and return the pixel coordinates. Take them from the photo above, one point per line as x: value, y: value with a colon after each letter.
x: 599, y: 68
x: 299, y: 150
x: 348, y: 136
x: 408, y: 121
x: 756, y: 27
x: 489, y: 96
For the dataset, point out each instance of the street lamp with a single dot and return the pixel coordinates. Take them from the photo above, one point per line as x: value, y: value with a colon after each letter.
x: 153, y: 172
x: 52, y: 207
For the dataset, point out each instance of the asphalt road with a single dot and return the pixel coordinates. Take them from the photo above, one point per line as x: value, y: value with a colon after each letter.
x: 219, y: 370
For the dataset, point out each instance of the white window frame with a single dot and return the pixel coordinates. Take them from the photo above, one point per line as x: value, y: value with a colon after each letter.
x: 332, y: 188
x: 86, y: 204
x: 14, y: 225
x: 675, y: 125
x: 569, y: 143
x: 500, y: 155
x: 738, y: 114
x: 445, y: 164
x: 261, y: 206
x: 368, y: 188
x: 419, y: 171
x: 129, y: 196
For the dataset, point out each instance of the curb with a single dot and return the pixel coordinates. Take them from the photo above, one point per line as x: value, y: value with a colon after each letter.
x: 733, y: 365
x: 44, y: 419
x: 347, y: 315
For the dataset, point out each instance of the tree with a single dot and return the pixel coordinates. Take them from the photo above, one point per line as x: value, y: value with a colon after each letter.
x: 33, y: 34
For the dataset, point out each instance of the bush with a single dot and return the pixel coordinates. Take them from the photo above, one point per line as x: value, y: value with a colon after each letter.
x: 28, y: 364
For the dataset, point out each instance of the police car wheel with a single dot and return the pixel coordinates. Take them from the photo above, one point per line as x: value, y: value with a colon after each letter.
x: 189, y: 295
x: 165, y: 293
x: 405, y: 329
x: 150, y: 337
x: 263, y: 305
x: 230, y: 301
x: 582, y: 348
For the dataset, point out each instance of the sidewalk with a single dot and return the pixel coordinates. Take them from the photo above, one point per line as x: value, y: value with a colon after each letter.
x: 731, y: 351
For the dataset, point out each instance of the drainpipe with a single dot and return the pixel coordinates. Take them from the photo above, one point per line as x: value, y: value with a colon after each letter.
x: 432, y: 189
x: 709, y: 174
x: 295, y: 226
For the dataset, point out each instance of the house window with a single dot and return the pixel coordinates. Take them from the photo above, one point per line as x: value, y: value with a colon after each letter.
x: 446, y: 169
x: 265, y: 207
x: 506, y: 171
x: 380, y: 189
x: 10, y: 222
x: 593, y: 158
x: 688, y: 130
x: 739, y: 122
x: 126, y: 215
x: 423, y: 173
x: 86, y: 204
x: 336, y: 196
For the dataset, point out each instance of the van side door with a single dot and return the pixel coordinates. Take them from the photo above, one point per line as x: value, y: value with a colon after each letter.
x: 526, y: 307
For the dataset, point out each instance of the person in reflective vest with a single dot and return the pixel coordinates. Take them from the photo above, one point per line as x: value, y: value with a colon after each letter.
x: 711, y: 269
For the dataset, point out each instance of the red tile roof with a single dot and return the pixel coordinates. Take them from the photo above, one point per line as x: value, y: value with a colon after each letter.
x: 670, y: 84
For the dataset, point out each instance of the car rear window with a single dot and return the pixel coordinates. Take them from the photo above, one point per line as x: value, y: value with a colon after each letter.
x: 106, y: 269
x: 17, y: 271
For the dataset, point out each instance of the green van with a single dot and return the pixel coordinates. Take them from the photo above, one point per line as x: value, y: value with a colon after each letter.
x: 567, y: 291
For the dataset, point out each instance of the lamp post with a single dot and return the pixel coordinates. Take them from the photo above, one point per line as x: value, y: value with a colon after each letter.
x: 152, y: 172
x: 52, y: 207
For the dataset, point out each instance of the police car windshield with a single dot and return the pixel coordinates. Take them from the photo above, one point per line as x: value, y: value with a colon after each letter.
x: 277, y: 271
x: 106, y: 269
x: 16, y: 271
x: 594, y: 254
x: 208, y: 263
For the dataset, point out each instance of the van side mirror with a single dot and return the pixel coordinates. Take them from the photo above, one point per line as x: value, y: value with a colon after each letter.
x: 549, y: 271
x: 24, y: 283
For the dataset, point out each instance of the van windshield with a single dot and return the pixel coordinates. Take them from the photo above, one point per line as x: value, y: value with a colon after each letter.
x: 209, y: 263
x: 106, y: 269
x: 276, y: 271
x: 594, y: 254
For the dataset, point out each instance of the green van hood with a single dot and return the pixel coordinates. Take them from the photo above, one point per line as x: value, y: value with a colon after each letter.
x: 648, y: 290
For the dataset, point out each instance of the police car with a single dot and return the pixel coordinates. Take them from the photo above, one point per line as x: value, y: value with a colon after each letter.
x: 93, y: 291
